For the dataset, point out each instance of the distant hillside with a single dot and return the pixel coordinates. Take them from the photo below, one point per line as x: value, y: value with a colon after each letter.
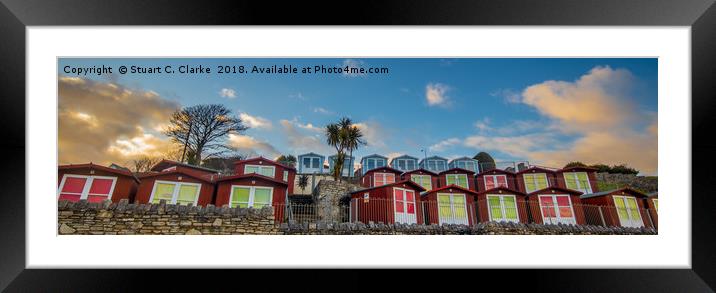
x: 646, y: 184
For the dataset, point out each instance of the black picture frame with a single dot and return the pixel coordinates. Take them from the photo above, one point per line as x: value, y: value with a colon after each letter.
x: 16, y: 15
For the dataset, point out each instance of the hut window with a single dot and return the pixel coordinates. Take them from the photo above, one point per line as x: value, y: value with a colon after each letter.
x: 502, y: 208
x: 268, y: 171
x: 494, y: 181
x: 628, y: 211
x: 92, y: 188
x: 452, y: 208
x: 578, y: 181
x: 535, y: 181
x: 380, y: 179
x: 285, y: 176
x: 250, y: 196
x: 182, y: 193
x: 656, y: 204
x: 423, y: 180
x: 457, y: 179
x: 556, y: 208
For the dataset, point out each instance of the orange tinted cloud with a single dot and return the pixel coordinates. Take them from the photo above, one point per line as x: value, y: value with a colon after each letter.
x: 599, y: 110
x: 104, y: 122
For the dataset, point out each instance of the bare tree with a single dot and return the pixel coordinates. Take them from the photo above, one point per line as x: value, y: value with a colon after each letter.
x: 144, y: 164
x: 202, y: 130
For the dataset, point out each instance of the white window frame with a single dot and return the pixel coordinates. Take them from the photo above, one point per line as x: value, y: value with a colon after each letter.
x: 385, y: 177
x: 502, y: 207
x: 252, y: 190
x: 303, y: 165
x: 555, y: 206
x: 177, y: 186
x: 88, y: 185
x: 467, y: 180
x: 285, y: 176
x: 452, y: 196
x: 494, y: 178
x: 655, y: 201
x: 579, y: 184
x: 273, y: 169
x: 422, y: 176
x: 631, y: 222
x: 524, y: 178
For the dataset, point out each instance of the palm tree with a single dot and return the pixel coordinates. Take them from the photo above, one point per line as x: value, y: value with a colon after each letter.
x: 303, y: 182
x: 354, y: 139
x: 343, y: 136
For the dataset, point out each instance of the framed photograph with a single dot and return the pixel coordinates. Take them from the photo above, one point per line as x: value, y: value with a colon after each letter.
x: 470, y: 135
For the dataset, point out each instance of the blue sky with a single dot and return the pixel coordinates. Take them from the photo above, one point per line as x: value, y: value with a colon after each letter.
x: 546, y: 111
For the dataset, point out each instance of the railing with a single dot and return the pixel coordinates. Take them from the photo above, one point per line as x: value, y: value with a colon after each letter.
x: 455, y: 210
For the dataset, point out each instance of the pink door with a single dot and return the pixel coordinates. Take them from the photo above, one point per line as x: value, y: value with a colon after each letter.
x: 404, y: 202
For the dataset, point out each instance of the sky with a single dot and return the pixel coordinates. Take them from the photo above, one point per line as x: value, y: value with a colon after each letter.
x: 544, y: 111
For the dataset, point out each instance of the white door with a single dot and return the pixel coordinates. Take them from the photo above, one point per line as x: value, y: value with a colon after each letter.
x: 628, y: 211
x: 404, y: 203
x: 557, y: 208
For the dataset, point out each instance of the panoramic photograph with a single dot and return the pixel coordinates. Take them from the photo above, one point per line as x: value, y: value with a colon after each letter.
x: 357, y: 146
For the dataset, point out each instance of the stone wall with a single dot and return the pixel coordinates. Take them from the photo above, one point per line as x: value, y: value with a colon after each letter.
x: 643, y: 183
x: 313, y: 180
x: 490, y: 228
x: 327, y: 197
x: 166, y: 219
x: 121, y: 218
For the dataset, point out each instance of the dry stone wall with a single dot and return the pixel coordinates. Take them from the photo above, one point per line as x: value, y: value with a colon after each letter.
x: 106, y: 218
x: 161, y: 219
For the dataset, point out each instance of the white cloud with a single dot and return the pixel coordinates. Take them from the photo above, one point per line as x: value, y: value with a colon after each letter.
x: 304, y: 137
x: 436, y: 94
x: 298, y: 96
x: 483, y: 125
x: 517, y: 146
x: 373, y: 133
x: 508, y: 95
x: 250, y: 146
x: 323, y: 111
x: 227, y: 93
x: 256, y: 121
x: 445, y: 144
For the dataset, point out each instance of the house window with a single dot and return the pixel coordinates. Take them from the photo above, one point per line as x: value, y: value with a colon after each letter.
x: 306, y: 163
x: 656, y: 204
x: 436, y: 165
x: 380, y: 179
x: 404, y: 202
x: 250, y: 196
x: 316, y: 163
x: 578, y: 181
x: 405, y: 164
x: 452, y: 208
x: 268, y: 171
x: 426, y: 181
x: 285, y: 176
x: 556, y: 209
x: 457, y: 179
x: 502, y: 208
x: 182, y: 193
x: 467, y: 165
x: 91, y: 188
x: 536, y: 181
x: 494, y: 181
x: 628, y: 211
